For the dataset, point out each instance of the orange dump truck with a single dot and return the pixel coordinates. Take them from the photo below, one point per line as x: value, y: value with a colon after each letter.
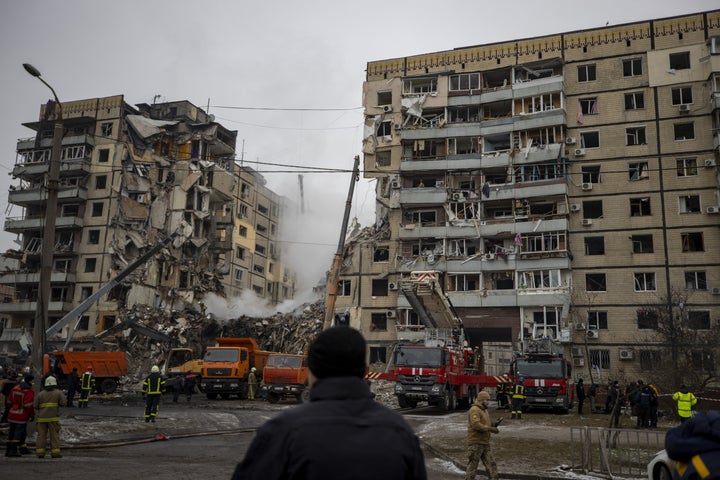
x: 227, y: 365
x: 285, y: 376
x: 108, y: 367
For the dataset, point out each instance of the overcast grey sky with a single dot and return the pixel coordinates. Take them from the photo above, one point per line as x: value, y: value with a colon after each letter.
x: 275, y: 54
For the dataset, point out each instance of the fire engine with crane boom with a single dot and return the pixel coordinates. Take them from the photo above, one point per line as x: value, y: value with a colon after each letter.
x: 546, y: 373
x: 440, y: 370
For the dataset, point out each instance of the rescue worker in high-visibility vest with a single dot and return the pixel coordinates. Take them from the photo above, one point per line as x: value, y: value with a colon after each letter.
x: 87, y: 384
x: 685, y: 403
x: 518, y: 398
x: 153, y: 388
x: 47, y: 406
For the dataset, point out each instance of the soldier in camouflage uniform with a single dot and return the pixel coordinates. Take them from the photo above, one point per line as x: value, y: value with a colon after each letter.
x: 478, y: 438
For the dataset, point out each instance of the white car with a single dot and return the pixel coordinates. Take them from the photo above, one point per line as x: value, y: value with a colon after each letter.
x: 661, y: 467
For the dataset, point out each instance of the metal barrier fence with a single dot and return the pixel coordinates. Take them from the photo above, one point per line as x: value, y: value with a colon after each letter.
x: 614, y: 452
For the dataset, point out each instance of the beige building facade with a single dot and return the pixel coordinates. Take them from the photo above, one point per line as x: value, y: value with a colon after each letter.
x: 558, y: 185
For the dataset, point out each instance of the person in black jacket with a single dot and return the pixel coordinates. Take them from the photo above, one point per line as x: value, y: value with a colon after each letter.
x: 342, y: 432
x: 695, y: 446
x: 73, y: 386
x: 580, y: 394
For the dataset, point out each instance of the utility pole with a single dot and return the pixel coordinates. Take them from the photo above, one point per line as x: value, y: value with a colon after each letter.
x: 48, y: 240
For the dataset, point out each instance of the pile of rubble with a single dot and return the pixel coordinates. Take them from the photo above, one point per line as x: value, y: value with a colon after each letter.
x: 160, y: 330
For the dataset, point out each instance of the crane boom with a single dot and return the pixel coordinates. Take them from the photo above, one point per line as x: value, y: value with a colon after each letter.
x: 332, y: 283
x: 80, y: 309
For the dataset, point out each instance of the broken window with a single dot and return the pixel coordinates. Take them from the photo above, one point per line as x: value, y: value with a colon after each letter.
x: 595, y: 282
x: 640, y: 207
x: 682, y: 95
x: 647, y: 319
x: 638, y: 171
x: 699, y: 319
x: 597, y: 320
x: 258, y: 289
x: 543, y: 242
x: 344, y: 288
x: 591, y: 174
x: 594, y: 245
x: 592, y: 209
x: 634, y: 101
x: 378, y: 322
x: 93, y: 237
x: 243, y: 231
x: 590, y: 139
x: 644, y: 282
x: 262, y: 209
x: 85, y: 293
x: 261, y: 228
x: 381, y: 254
x: 692, y: 242
x: 642, y: 243
x: 62, y: 265
x: 243, y: 211
x: 586, y: 73
x: 103, y: 155
x: 245, y: 190
x: 378, y: 355
x: 379, y: 287
x: 426, y: 218
x: 83, y: 323
x: 695, y: 280
x: 589, y: 106
x: 101, y: 182
x: 540, y: 279
x: 635, y: 136
x: 679, y: 61
x: 184, y: 279
x: 632, y: 67
x: 259, y: 269
x: 464, y: 282
x: 90, y: 264
x: 689, y: 203
x: 384, y: 129
x: 382, y: 158
x: 70, y: 210
x: 684, y: 131
x: 686, y: 167
x: 108, y: 321
x: 238, y: 274
x: 260, y: 249
x: 97, y: 209
x: 418, y: 86
x: 384, y: 98
x: 464, y: 82
x: 107, y: 129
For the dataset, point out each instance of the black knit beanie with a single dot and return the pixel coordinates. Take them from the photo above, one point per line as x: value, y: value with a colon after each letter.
x: 337, y: 352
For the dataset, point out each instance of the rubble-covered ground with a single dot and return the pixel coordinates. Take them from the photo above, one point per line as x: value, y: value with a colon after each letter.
x: 283, y: 332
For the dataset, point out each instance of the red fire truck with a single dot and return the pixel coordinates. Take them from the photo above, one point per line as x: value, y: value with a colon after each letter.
x: 441, y: 372
x: 547, y: 376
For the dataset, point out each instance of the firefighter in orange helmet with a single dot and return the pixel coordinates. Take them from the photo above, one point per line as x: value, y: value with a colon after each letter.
x: 87, y: 384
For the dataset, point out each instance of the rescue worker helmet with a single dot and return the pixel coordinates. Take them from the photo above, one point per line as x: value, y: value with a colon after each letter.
x: 88, y: 368
x: 155, y: 369
x: 253, y: 369
x: 521, y: 379
x: 50, y: 381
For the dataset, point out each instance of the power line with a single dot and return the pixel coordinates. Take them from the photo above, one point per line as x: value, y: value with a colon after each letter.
x: 281, y: 109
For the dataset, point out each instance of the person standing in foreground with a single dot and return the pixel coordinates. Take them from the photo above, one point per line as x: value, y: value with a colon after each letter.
x: 153, y: 388
x: 252, y: 384
x: 73, y: 386
x: 695, y: 446
x: 580, y: 394
x: 685, y: 403
x: 47, y: 405
x: 21, y: 412
x: 342, y: 432
x: 478, y: 438
x: 87, y: 383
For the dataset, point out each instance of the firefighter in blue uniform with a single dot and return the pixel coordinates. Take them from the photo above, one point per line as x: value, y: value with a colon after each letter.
x: 518, y: 398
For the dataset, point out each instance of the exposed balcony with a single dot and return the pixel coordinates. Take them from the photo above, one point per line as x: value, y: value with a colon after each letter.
x: 34, y: 278
x: 20, y: 224
x: 38, y: 195
x: 31, y: 307
x: 491, y: 228
x: 423, y: 196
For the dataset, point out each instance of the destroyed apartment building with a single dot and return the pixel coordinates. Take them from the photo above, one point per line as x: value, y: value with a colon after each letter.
x: 549, y: 187
x: 130, y: 177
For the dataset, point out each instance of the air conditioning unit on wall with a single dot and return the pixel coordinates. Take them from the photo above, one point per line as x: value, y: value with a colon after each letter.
x: 586, y: 186
x: 574, y: 207
x: 578, y: 362
x: 579, y: 152
x: 587, y: 222
x: 579, y: 326
x: 714, y: 209
x: 593, y: 334
x: 626, y: 354
x: 710, y: 162
x: 387, y: 108
x: 684, y: 108
x: 390, y: 314
x: 570, y: 141
x: 393, y: 286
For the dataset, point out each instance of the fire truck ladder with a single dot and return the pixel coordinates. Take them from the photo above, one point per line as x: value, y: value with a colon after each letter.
x: 428, y: 300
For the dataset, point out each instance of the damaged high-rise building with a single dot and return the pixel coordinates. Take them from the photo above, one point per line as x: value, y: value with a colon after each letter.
x: 557, y: 186
x: 129, y: 178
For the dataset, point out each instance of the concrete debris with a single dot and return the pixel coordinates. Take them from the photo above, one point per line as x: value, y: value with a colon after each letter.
x: 283, y: 332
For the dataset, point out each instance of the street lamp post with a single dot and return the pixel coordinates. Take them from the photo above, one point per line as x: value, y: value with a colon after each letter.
x: 48, y: 240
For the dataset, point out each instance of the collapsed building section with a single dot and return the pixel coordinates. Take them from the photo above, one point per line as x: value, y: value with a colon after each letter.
x: 130, y: 177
